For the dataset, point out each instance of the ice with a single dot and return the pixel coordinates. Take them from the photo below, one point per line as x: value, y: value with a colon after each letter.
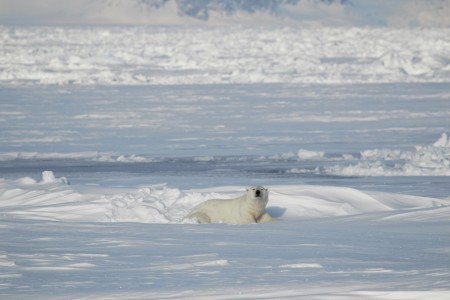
x: 166, y: 55
x: 87, y: 156
x: 443, y: 142
x: 111, y: 134
x: 49, y: 177
x: 307, y: 154
x: 301, y: 266
x: 431, y: 160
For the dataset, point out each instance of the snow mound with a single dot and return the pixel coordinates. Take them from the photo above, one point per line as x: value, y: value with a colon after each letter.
x: 53, y: 199
x: 49, y: 177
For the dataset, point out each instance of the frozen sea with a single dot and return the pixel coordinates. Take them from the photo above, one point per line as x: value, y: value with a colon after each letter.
x: 195, y: 136
x: 110, y: 135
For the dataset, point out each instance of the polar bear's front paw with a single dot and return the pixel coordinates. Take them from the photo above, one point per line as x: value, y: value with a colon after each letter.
x: 266, y: 218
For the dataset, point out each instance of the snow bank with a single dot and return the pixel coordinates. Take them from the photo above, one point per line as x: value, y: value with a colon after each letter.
x: 189, y: 55
x: 53, y: 199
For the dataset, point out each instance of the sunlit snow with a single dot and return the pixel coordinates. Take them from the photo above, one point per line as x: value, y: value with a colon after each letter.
x: 109, y: 135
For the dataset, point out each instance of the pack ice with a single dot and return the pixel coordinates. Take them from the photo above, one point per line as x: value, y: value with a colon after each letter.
x: 167, y: 55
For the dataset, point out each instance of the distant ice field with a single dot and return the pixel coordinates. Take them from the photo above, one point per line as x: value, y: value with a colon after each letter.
x: 134, y: 55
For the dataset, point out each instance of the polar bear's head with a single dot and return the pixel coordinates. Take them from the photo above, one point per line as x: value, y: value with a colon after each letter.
x: 258, y: 193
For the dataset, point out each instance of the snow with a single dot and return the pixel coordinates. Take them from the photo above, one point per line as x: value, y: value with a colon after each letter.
x: 110, y: 135
x: 167, y: 55
x: 103, y: 243
x: 90, y: 156
x: 27, y: 198
x: 432, y: 160
x: 307, y: 154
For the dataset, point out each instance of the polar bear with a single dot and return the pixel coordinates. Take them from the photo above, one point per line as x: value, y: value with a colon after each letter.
x: 248, y: 208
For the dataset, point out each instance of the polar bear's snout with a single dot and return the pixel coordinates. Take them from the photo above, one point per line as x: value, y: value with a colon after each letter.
x: 258, y: 191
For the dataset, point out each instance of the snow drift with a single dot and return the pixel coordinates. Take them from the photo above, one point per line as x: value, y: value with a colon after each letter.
x: 54, y: 199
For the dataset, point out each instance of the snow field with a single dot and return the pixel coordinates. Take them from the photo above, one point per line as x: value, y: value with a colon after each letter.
x: 88, y: 242
x: 353, y: 257
x: 178, y: 55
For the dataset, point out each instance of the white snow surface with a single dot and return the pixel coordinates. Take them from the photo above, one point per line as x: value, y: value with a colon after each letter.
x: 54, y: 199
x: 190, y: 55
x: 79, y: 242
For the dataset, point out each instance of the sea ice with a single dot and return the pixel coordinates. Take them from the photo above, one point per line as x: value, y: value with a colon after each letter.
x: 164, y: 55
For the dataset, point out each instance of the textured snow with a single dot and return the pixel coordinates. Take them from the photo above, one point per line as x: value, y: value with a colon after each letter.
x: 110, y: 135
x: 61, y: 241
x: 53, y: 199
x: 431, y: 160
x: 180, y: 55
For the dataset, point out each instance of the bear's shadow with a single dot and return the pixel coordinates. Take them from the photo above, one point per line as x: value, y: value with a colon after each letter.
x: 275, y: 211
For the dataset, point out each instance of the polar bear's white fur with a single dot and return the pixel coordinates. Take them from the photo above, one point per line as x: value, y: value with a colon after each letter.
x: 249, y: 208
